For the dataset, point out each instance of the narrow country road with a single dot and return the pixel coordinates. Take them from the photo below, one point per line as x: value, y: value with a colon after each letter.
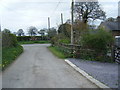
x: 37, y: 67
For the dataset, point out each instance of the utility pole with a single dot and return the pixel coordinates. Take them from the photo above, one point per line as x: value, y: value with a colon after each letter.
x: 62, y: 21
x: 72, y: 37
x: 48, y: 23
x: 61, y: 18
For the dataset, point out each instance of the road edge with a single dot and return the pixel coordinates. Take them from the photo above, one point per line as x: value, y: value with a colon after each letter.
x: 90, y: 78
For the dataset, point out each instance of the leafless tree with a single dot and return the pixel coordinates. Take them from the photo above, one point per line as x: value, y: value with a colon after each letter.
x: 6, y: 31
x: 88, y: 10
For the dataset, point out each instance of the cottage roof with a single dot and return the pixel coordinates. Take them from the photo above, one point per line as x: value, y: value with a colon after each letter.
x: 112, y: 25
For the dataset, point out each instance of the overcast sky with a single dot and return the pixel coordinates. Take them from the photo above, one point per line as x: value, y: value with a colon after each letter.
x: 16, y: 14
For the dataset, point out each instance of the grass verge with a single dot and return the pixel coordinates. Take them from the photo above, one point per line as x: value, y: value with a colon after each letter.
x: 57, y: 52
x: 9, y: 55
x: 34, y: 42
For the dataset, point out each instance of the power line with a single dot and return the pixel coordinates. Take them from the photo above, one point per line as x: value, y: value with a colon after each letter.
x: 58, y: 3
x: 27, y: 15
x: 12, y: 10
x: 55, y: 8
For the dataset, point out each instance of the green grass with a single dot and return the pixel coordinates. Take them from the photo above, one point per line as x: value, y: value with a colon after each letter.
x: 9, y: 55
x: 33, y: 42
x: 0, y: 57
x: 57, y: 52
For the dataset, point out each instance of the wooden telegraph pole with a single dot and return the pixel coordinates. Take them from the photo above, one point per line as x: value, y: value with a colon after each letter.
x: 61, y: 18
x: 62, y: 21
x: 72, y: 37
x: 48, y: 23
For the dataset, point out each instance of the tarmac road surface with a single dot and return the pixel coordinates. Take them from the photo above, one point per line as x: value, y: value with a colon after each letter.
x: 37, y: 67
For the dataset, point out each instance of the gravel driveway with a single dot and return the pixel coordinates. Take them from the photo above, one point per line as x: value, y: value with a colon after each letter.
x: 106, y: 73
x: 37, y: 67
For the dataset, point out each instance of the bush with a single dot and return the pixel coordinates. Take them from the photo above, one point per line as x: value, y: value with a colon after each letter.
x: 65, y: 41
x: 60, y: 38
x: 65, y: 29
x: 9, y: 40
x: 100, y: 42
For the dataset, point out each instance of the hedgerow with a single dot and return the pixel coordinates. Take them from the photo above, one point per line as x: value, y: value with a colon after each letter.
x: 10, y: 49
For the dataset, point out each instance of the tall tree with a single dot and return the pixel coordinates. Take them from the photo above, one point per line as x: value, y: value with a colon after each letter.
x: 42, y: 31
x: 6, y: 31
x: 88, y: 10
x: 20, y: 32
x: 32, y: 31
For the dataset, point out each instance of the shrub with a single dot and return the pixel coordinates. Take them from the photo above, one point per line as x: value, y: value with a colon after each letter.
x: 65, y: 29
x: 100, y: 42
x: 65, y: 41
x: 60, y: 38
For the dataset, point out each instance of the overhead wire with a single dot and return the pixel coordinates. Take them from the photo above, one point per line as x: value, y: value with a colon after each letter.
x: 56, y: 8
x: 51, y: 15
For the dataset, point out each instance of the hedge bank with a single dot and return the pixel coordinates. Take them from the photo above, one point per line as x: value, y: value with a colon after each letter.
x: 10, y: 49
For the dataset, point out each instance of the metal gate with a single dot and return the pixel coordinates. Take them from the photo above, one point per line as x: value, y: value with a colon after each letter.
x: 117, y: 55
